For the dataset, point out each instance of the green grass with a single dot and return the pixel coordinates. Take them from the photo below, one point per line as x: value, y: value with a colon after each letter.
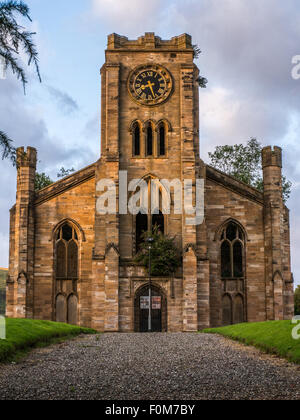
x: 274, y: 337
x: 24, y: 334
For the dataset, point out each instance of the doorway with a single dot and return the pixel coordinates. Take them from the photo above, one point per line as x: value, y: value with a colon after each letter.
x: 159, y: 310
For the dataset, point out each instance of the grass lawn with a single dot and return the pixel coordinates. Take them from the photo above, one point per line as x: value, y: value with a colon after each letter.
x: 25, y: 334
x: 273, y: 337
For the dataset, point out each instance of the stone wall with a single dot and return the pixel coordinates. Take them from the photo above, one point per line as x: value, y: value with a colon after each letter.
x: 77, y: 204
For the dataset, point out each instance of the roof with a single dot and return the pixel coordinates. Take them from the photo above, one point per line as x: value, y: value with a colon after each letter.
x: 65, y: 184
x: 234, y: 184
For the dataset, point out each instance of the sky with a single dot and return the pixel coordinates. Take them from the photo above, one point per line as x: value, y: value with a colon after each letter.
x: 247, y: 51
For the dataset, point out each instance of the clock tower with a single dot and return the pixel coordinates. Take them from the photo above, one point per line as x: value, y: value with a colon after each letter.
x: 149, y: 129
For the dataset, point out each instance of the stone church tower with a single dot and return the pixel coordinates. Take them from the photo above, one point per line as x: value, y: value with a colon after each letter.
x: 70, y: 263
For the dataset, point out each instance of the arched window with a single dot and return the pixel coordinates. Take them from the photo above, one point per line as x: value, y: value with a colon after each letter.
x: 238, y: 309
x: 146, y: 222
x: 232, y: 250
x: 232, y: 262
x: 227, y: 310
x: 72, y: 309
x: 136, y: 139
x: 141, y: 227
x: 66, y: 262
x: 149, y: 140
x: 161, y: 140
x: 158, y: 221
x: 61, y: 312
x: 67, y: 253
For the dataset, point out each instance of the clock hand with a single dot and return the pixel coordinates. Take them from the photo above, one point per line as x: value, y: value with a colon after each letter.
x: 150, y: 86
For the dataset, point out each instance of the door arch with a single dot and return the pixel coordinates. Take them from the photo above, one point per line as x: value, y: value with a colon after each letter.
x: 72, y: 309
x: 141, y: 310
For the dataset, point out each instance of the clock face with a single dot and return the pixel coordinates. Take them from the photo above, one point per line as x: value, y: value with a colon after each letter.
x: 150, y: 85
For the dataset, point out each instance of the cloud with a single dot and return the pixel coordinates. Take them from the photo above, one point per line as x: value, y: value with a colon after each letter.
x: 129, y: 17
x: 24, y: 120
x: 66, y: 103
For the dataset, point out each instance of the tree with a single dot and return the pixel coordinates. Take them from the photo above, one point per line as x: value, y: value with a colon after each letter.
x: 297, y: 301
x: 202, y: 81
x: 244, y: 163
x: 165, y: 258
x: 65, y: 172
x: 13, y: 39
x: 8, y: 151
x: 42, y: 181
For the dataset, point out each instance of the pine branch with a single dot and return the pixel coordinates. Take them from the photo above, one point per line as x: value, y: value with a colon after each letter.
x: 9, y: 7
x: 8, y: 151
x: 13, y: 37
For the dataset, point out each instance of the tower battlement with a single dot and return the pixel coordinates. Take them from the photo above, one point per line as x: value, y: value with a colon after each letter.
x: 28, y: 158
x: 272, y: 157
x: 150, y: 42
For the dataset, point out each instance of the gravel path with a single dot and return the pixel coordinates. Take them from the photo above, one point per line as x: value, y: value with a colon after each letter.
x: 150, y: 366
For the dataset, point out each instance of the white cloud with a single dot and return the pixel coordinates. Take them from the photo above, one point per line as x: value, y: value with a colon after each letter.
x: 127, y: 16
x: 65, y: 102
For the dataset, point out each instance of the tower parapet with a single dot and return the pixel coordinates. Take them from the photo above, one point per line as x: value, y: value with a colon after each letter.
x: 150, y: 42
x: 28, y: 158
x: 272, y: 157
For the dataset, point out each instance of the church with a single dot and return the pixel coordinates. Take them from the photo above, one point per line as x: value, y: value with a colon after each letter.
x: 71, y: 263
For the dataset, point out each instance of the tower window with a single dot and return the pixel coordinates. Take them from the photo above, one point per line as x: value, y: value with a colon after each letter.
x: 141, y: 227
x: 158, y: 221
x: 154, y: 217
x: 149, y: 140
x: 137, y: 140
x: 162, y: 141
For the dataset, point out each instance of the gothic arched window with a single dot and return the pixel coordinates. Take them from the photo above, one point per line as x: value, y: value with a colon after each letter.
x: 154, y: 217
x: 67, y: 253
x: 149, y: 140
x: 158, y: 221
x: 141, y: 227
x: 232, y: 250
x: 232, y: 262
x: 66, y: 263
x: 136, y: 139
x: 161, y: 140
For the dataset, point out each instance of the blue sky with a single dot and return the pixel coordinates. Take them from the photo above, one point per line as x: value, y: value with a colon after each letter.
x: 247, y: 52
